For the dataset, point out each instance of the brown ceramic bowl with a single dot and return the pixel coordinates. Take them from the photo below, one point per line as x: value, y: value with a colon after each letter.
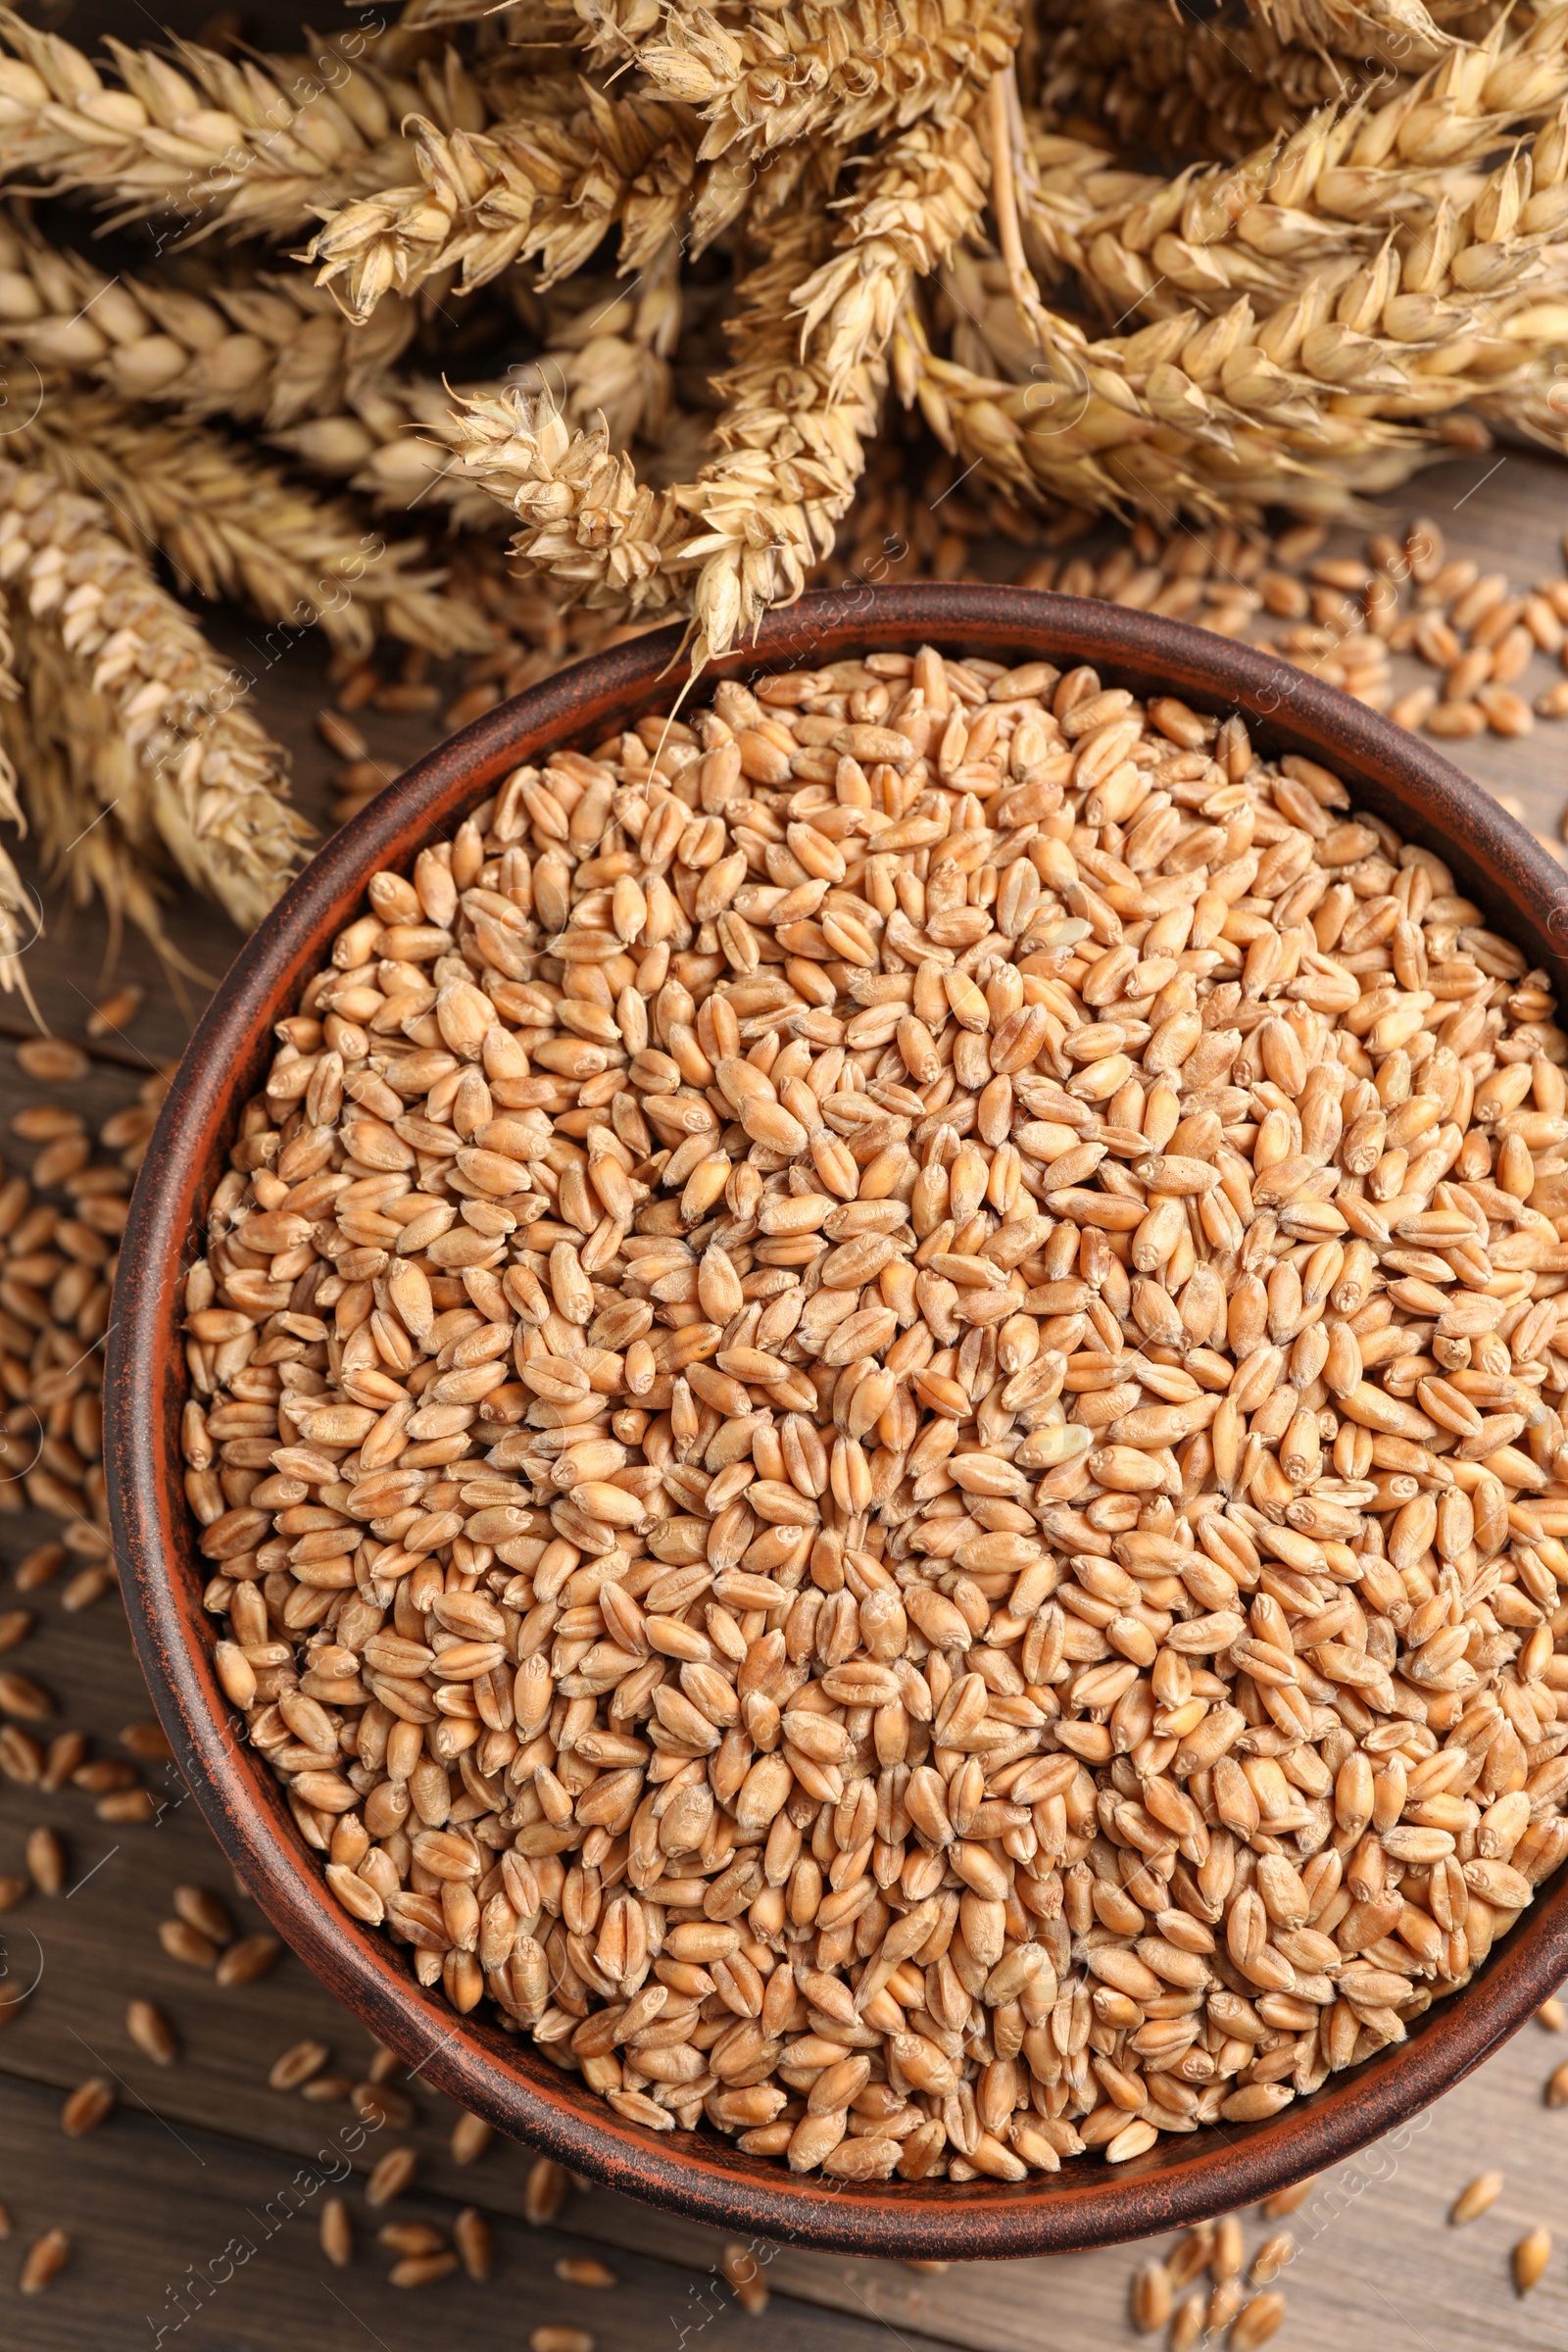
x: 1088, y: 2203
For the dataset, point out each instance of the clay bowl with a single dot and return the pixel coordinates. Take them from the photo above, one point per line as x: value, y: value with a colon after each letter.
x: 1088, y: 2203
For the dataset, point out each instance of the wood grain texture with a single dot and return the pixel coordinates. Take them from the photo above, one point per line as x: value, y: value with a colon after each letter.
x: 1378, y: 2265
x: 189, y: 2240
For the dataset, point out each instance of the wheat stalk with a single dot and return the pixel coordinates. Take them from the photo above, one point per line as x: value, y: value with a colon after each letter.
x: 812, y: 70
x: 221, y: 144
x: 543, y: 186
x: 180, y: 758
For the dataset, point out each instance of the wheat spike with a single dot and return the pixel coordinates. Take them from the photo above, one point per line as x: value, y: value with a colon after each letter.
x: 1179, y: 86
x: 1122, y: 428
x: 1317, y: 23
x: 55, y: 735
x: 1307, y: 402
x: 1288, y: 213
x: 266, y: 353
x: 181, y: 760
x: 802, y: 398
x: 811, y: 70
x: 234, y: 526
x: 611, y: 360
x: 257, y: 147
x: 546, y: 186
x: 15, y: 908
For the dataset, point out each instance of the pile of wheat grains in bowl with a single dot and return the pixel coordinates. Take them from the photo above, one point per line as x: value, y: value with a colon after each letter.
x: 877, y: 1407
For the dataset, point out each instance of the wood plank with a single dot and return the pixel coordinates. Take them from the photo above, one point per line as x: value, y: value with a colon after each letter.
x: 186, y: 2240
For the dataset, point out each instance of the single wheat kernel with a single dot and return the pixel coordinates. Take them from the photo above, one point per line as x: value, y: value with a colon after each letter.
x: 470, y: 2136
x: 1477, y: 2198
x: 205, y: 1913
x: 1257, y: 2321
x: 46, y: 1861
x: 744, y: 2274
x: 1272, y: 2257
x: 545, y: 2190
x: 474, y: 2242
x: 46, y: 2258
x: 1189, y: 2323
x: 581, y: 2269
x: 422, y: 2270
x: 337, y: 2233
x: 1530, y: 2258
x: 1151, y: 2297
x: 90, y: 2105
x: 393, y: 2173
x: 298, y: 2064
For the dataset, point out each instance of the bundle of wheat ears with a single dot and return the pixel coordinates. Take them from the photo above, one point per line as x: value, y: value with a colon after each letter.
x: 644, y: 283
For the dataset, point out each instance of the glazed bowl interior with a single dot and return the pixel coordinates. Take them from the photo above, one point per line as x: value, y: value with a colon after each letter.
x: 1209, y: 2171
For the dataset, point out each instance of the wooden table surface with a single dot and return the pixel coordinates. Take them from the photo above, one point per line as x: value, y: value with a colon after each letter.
x: 193, y: 2211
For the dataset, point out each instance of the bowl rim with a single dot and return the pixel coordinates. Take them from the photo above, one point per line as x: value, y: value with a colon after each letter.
x: 699, y: 2173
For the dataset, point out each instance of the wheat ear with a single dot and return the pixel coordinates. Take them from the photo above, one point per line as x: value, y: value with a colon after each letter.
x: 802, y: 397
x: 543, y: 186
x: 813, y: 70
x: 15, y: 906
x: 612, y: 361
x: 183, y: 758
x: 234, y: 526
x: 1288, y: 213
x: 258, y: 148
x: 266, y: 353
x: 1152, y: 81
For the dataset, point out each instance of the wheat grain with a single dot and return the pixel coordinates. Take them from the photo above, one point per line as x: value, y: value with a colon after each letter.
x: 152, y: 2032
x: 1476, y: 2198
x: 853, y: 1530
x: 475, y: 2243
x: 90, y: 2104
x: 1529, y: 2259
x: 46, y: 2258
